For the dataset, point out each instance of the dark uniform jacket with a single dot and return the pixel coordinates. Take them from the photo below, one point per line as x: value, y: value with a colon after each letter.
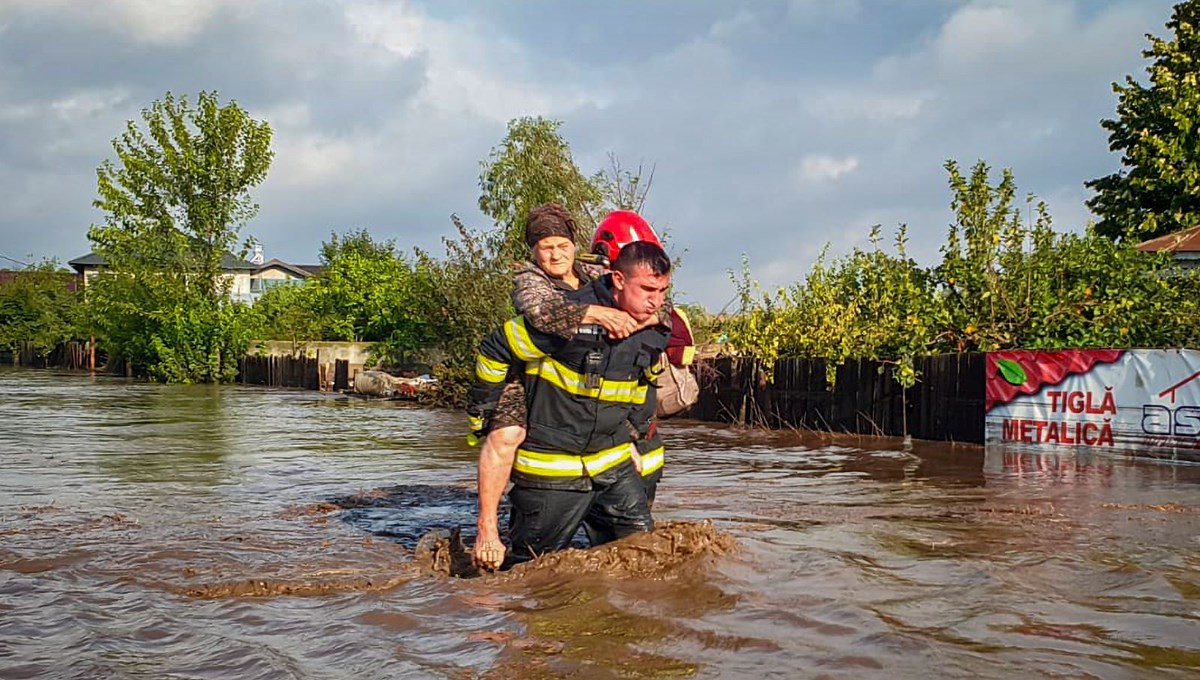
x: 582, y: 394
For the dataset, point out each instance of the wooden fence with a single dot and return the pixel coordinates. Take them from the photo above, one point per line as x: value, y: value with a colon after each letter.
x: 71, y: 356
x: 946, y: 404
x: 301, y: 371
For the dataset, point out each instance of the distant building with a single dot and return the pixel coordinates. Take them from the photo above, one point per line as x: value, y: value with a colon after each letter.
x: 1184, y: 247
x: 248, y: 280
x: 275, y: 272
x: 70, y: 281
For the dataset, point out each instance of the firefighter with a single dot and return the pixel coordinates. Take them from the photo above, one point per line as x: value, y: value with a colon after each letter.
x: 674, y: 379
x: 587, y: 399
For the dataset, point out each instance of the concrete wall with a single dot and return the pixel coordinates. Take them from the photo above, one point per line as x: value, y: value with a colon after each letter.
x: 354, y: 352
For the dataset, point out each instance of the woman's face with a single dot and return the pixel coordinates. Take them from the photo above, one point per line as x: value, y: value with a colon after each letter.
x: 555, y: 255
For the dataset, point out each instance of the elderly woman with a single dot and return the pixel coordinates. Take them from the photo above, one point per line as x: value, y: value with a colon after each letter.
x: 539, y: 284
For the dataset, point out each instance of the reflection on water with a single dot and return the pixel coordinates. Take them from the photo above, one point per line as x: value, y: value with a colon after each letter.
x: 149, y: 531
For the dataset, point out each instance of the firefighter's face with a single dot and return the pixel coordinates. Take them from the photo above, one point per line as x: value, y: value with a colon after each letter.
x: 555, y: 255
x: 641, y: 293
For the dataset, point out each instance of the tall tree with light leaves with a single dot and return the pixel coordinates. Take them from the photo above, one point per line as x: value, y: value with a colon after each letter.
x: 532, y: 165
x: 179, y: 193
x: 175, y: 201
x: 1157, y: 131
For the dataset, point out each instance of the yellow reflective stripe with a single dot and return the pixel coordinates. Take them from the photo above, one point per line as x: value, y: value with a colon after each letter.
x: 519, y: 340
x: 476, y: 422
x: 607, y: 459
x: 472, y: 440
x: 652, y: 461
x: 566, y: 379
x: 489, y: 370
x: 689, y: 355
x: 657, y: 368
x: 548, y: 465
x: 689, y: 351
x: 568, y: 465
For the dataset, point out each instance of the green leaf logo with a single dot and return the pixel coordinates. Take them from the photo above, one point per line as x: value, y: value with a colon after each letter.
x: 1012, y: 371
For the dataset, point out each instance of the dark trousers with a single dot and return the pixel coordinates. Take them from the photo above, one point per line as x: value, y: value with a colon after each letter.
x: 596, y: 534
x: 545, y: 520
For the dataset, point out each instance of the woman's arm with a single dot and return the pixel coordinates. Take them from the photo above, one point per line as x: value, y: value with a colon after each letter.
x: 548, y: 310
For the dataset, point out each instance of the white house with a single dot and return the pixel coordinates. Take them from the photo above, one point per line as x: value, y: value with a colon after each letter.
x: 248, y: 279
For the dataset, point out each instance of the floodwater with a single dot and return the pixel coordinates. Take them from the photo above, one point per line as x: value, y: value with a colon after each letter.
x: 152, y: 531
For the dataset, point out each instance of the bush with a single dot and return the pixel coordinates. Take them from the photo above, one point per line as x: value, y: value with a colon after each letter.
x: 1002, y: 283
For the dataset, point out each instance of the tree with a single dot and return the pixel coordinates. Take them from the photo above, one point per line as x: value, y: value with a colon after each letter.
x: 468, y: 296
x: 369, y: 292
x: 621, y: 188
x: 532, y: 165
x: 38, y: 306
x: 290, y: 312
x: 1157, y: 131
x: 181, y: 192
x: 175, y: 202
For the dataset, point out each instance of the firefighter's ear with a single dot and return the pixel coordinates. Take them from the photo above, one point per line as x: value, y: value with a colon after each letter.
x: 618, y: 280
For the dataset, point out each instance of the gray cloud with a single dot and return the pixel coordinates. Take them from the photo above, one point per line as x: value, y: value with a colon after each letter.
x: 775, y: 127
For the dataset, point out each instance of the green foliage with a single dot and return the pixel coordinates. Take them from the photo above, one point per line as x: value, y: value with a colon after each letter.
x: 469, y: 295
x: 368, y: 292
x: 532, y: 165
x: 869, y: 304
x: 38, y: 307
x: 159, y: 324
x: 174, y: 203
x: 1003, y: 283
x: 1157, y: 131
x: 1007, y: 283
x: 291, y: 312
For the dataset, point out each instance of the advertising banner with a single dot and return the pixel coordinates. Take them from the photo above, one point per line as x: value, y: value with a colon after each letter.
x: 1144, y: 402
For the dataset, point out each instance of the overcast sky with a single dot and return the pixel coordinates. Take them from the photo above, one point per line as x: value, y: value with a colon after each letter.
x: 775, y: 127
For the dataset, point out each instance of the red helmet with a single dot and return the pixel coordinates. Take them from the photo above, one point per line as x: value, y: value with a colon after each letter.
x: 618, y: 229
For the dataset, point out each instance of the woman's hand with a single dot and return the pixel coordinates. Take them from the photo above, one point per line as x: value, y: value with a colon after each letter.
x: 618, y: 324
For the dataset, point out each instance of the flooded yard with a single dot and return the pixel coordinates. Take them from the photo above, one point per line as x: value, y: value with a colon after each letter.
x: 151, y: 531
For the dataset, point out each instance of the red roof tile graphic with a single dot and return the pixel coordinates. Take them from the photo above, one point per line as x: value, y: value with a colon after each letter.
x: 1041, y: 368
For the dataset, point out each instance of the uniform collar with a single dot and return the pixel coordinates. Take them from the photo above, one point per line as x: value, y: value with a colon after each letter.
x: 604, y: 291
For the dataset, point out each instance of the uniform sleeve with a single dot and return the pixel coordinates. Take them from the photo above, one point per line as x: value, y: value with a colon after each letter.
x: 643, y: 413
x: 511, y: 346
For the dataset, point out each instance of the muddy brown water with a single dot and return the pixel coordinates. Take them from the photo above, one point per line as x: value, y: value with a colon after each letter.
x: 149, y: 531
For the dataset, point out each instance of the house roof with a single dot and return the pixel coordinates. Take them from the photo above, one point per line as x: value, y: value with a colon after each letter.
x: 89, y: 260
x: 301, y: 270
x: 1186, y: 241
x: 93, y: 259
